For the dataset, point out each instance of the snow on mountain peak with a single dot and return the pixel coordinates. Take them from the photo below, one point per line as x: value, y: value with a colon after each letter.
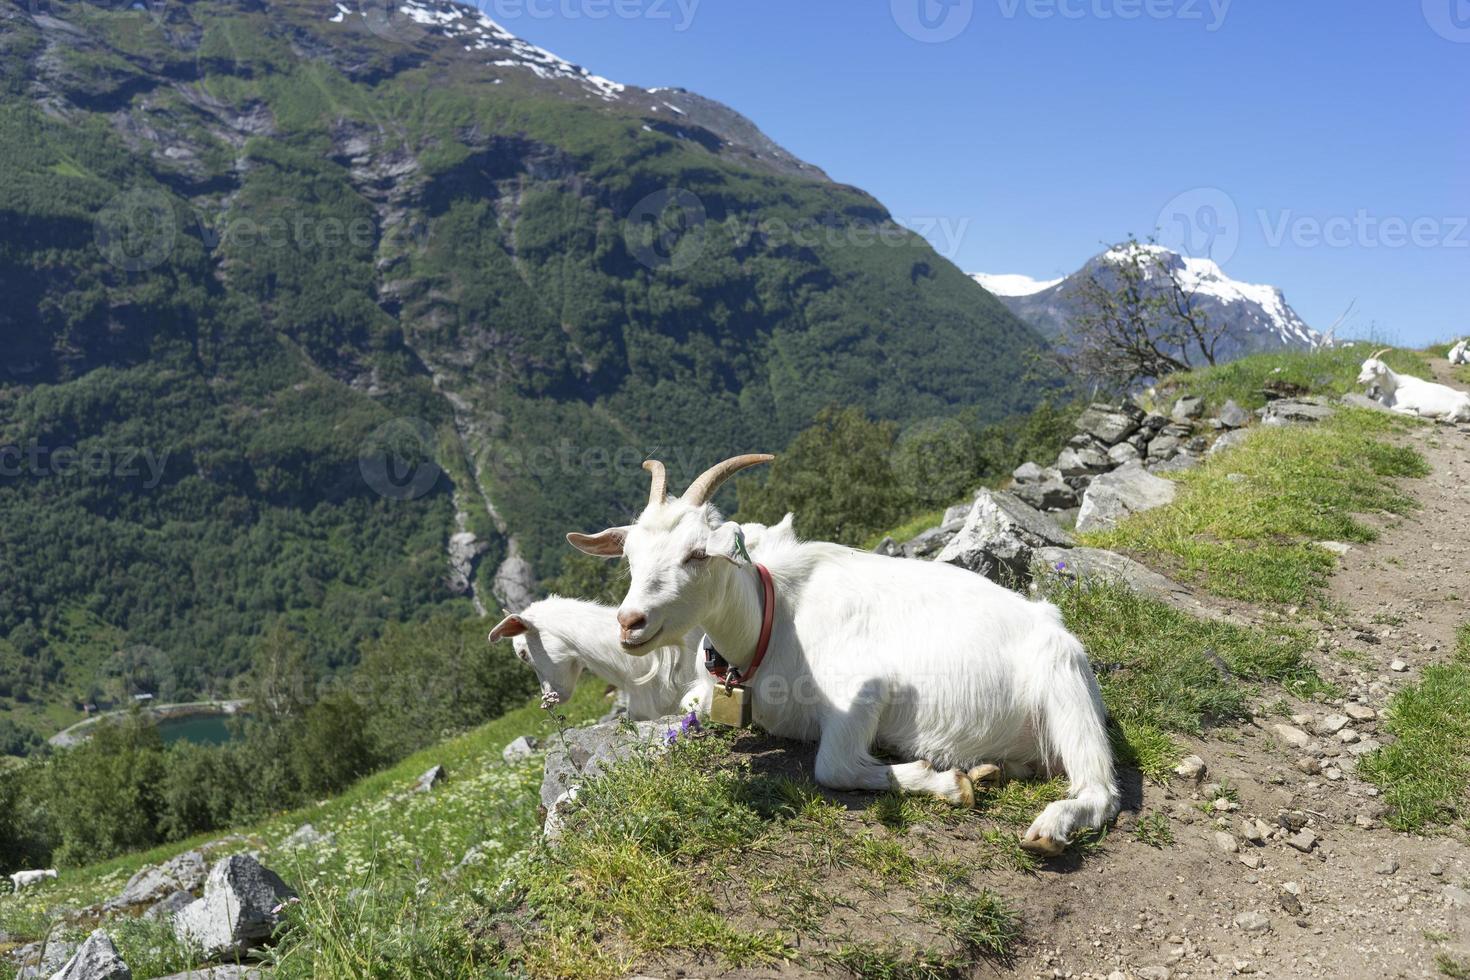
x: 1013, y: 284
x: 1204, y: 277
x: 468, y: 25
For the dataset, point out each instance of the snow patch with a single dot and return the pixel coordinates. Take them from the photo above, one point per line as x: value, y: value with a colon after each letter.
x: 1013, y: 284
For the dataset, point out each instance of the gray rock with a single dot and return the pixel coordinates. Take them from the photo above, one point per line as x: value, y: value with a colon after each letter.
x: 1153, y: 422
x: 1355, y: 400
x: 1186, y: 408
x: 585, y: 753
x: 1296, y: 411
x: 1303, y: 840
x: 1163, y: 447
x: 1110, y: 424
x: 36, y: 962
x: 1232, y: 416
x: 955, y: 516
x: 1191, y: 768
x: 96, y: 959
x: 307, y: 836
x: 1292, y: 736
x: 1084, y: 461
x: 1028, y: 473
x: 464, y: 552
x: 522, y: 748
x: 165, y: 907
x: 1097, y: 564
x: 228, y: 971
x: 1457, y: 896
x: 1124, y: 452
x: 1332, y: 724
x: 429, y: 780
x: 1053, y: 495
x: 238, y: 910
x: 1359, y: 712
x: 1127, y: 490
x: 888, y: 547
x: 999, y: 537
x: 515, y: 580
x: 1177, y: 463
x: 1253, y: 922
x: 929, y: 543
x: 1225, y: 842
x: 184, y: 872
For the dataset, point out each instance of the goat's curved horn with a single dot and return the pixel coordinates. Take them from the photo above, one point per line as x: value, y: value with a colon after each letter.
x: 1377, y: 354
x: 658, y: 492
x: 702, y: 489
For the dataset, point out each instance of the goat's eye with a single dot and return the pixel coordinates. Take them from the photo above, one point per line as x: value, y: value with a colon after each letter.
x: 697, y: 554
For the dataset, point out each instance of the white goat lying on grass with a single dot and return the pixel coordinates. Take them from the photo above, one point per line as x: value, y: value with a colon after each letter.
x: 1460, y: 353
x: 1414, y: 396
x: 561, y: 637
x: 25, y: 879
x: 925, y: 660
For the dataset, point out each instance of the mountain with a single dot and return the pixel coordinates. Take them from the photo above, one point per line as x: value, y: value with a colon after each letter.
x: 330, y: 315
x: 1256, y: 318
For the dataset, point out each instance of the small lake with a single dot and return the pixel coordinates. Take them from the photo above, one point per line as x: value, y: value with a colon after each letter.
x: 199, y: 729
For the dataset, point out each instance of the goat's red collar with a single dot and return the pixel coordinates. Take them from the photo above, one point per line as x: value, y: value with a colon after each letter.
x: 722, y: 670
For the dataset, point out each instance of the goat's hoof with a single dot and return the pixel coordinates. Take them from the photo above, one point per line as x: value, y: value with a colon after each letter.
x: 985, y: 777
x: 966, y: 790
x: 1042, y: 846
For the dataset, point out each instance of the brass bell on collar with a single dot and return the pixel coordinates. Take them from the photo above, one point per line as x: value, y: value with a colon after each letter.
x: 731, y: 706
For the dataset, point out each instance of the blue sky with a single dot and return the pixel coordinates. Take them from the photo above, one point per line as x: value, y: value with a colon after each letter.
x: 1323, y: 147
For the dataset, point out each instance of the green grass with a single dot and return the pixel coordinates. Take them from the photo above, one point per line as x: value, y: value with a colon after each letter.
x: 909, y: 529
x: 379, y: 889
x: 1449, y: 966
x: 1244, y: 522
x: 1164, y: 671
x: 1325, y: 372
x: 1153, y: 829
x: 1425, y: 774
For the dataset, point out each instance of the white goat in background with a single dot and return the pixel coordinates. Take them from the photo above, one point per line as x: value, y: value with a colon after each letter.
x: 25, y: 879
x: 1414, y: 396
x: 1460, y: 353
x: 927, y: 661
x: 561, y: 637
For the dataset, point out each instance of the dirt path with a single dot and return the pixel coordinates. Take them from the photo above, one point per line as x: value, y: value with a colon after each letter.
x: 1364, y: 901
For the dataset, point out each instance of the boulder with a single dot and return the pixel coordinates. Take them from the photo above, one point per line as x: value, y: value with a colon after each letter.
x: 1229, y: 439
x: 1053, y: 495
x: 1175, y: 463
x: 1083, y: 461
x: 1028, y: 473
x: 165, y: 907
x: 37, y: 963
x: 999, y: 536
x: 429, y: 780
x: 95, y: 959
x: 239, y: 910
x: 1109, y: 424
x: 184, y: 872
x: 522, y: 748
x: 887, y: 547
x: 1124, y: 452
x: 227, y: 971
x: 584, y: 753
x: 514, y: 585
x: 955, y: 516
x: 1296, y: 411
x: 1232, y: 416
x: 1095, y: 564
x: 1127, y: 490
x: 1163, y: 447
x: 1188, y: 407
x: 1355, y: 400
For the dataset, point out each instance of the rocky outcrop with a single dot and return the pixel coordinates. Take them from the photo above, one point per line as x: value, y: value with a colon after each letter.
x: 584, y: 753
x: 999, y: 535
x: 185, y: 872
x: 429, y: 780
x: 522, y: 748
x: 1130, y: 489
x: 96, y: 959
x: 1296, y: 411
x: 239, y: 911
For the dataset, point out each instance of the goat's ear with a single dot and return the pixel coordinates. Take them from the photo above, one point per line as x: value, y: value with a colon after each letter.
x: 788, y: 523
x: 508, y: 627
x: 607, y: 544
x: 728, y: 542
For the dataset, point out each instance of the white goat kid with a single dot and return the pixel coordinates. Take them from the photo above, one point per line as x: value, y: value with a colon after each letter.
x: 927, y: 661
x: 1414, y: 396
x: 1460, y: 353
x: 25, y: 879
x: 560, y: 638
